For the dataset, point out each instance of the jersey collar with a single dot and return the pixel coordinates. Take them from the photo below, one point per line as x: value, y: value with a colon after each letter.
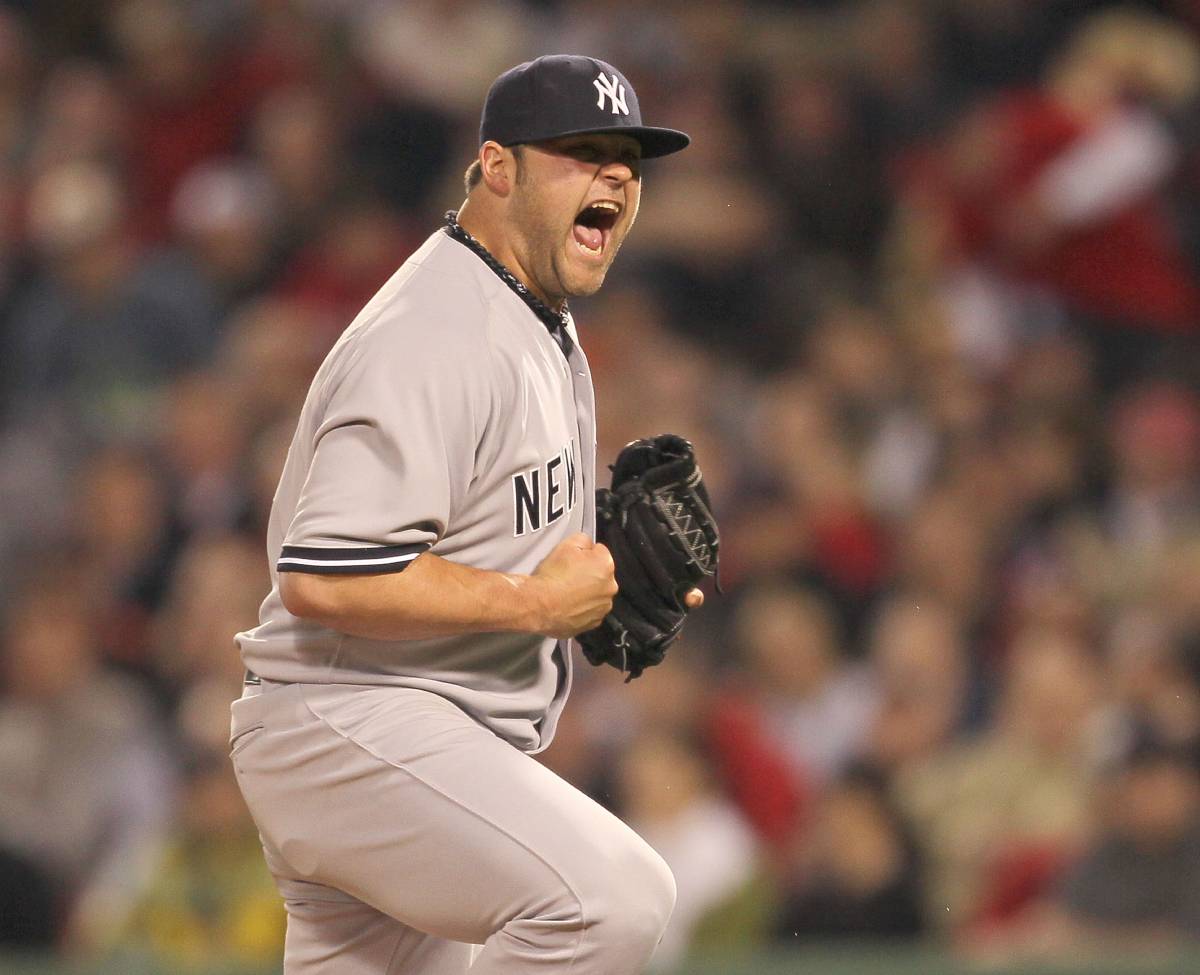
x: 555, y: 321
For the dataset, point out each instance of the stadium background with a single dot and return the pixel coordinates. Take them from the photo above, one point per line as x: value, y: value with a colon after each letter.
x: 924, y: 293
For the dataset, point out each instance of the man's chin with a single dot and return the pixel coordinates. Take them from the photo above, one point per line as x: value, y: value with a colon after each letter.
x: 585, y: 289
x: 582, y: 277
x: 582, y: 283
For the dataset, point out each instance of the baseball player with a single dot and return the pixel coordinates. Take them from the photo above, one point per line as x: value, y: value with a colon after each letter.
x: 431, y: 550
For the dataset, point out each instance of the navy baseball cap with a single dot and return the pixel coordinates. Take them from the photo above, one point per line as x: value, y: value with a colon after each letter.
x: 565, y: 94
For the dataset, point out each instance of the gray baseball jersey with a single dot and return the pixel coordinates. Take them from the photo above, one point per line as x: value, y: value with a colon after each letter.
x: 447, y: 419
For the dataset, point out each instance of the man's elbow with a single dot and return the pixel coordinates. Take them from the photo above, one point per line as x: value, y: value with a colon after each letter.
x: 304, y: 596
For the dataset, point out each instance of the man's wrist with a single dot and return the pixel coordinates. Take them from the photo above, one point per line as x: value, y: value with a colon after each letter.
x: 531, y: 604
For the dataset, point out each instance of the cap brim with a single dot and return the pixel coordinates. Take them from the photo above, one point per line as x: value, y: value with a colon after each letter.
x: 654, y: 141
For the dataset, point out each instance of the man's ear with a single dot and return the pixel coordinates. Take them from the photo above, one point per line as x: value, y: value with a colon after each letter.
x: 497, y: 167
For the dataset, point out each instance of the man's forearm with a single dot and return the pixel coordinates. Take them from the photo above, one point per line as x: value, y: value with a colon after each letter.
x: 432, y: 597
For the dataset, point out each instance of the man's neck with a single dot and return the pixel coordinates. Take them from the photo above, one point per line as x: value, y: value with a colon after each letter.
x: 489, y: 231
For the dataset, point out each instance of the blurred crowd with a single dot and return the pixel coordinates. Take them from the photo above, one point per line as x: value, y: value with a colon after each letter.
x: 924, y: 292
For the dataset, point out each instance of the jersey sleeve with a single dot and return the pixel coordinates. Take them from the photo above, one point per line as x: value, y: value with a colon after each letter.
x: 392, y: 455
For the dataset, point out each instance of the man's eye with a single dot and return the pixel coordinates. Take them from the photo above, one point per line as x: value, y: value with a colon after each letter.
x: 594, y: 154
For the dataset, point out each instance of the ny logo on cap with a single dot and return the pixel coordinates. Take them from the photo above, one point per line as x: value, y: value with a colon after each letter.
x: 614, y: 90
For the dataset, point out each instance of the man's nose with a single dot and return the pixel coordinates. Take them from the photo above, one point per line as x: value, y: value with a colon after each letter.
x: 617, y: 172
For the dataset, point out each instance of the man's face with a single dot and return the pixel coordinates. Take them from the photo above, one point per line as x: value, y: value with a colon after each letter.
x: 574, y: 200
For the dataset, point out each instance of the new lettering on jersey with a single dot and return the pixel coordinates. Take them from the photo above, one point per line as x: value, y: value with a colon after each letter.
x: 533, y: 507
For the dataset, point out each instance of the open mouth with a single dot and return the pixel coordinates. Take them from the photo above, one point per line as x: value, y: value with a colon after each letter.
x: 593, y: 226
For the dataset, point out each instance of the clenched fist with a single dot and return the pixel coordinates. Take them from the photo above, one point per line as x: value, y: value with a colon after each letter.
x: 574, y: 585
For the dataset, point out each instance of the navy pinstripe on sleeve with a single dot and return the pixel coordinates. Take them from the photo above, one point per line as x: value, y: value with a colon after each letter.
x: 372, y: 559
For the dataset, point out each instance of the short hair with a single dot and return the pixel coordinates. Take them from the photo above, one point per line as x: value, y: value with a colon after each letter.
x: 474, y: 173
x: 472, y: 176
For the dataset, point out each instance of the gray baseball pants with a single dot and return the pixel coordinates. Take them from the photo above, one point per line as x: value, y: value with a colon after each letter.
x: 401, y: 834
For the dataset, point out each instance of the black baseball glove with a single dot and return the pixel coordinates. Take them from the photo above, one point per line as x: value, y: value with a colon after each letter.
x: 658, y: 523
